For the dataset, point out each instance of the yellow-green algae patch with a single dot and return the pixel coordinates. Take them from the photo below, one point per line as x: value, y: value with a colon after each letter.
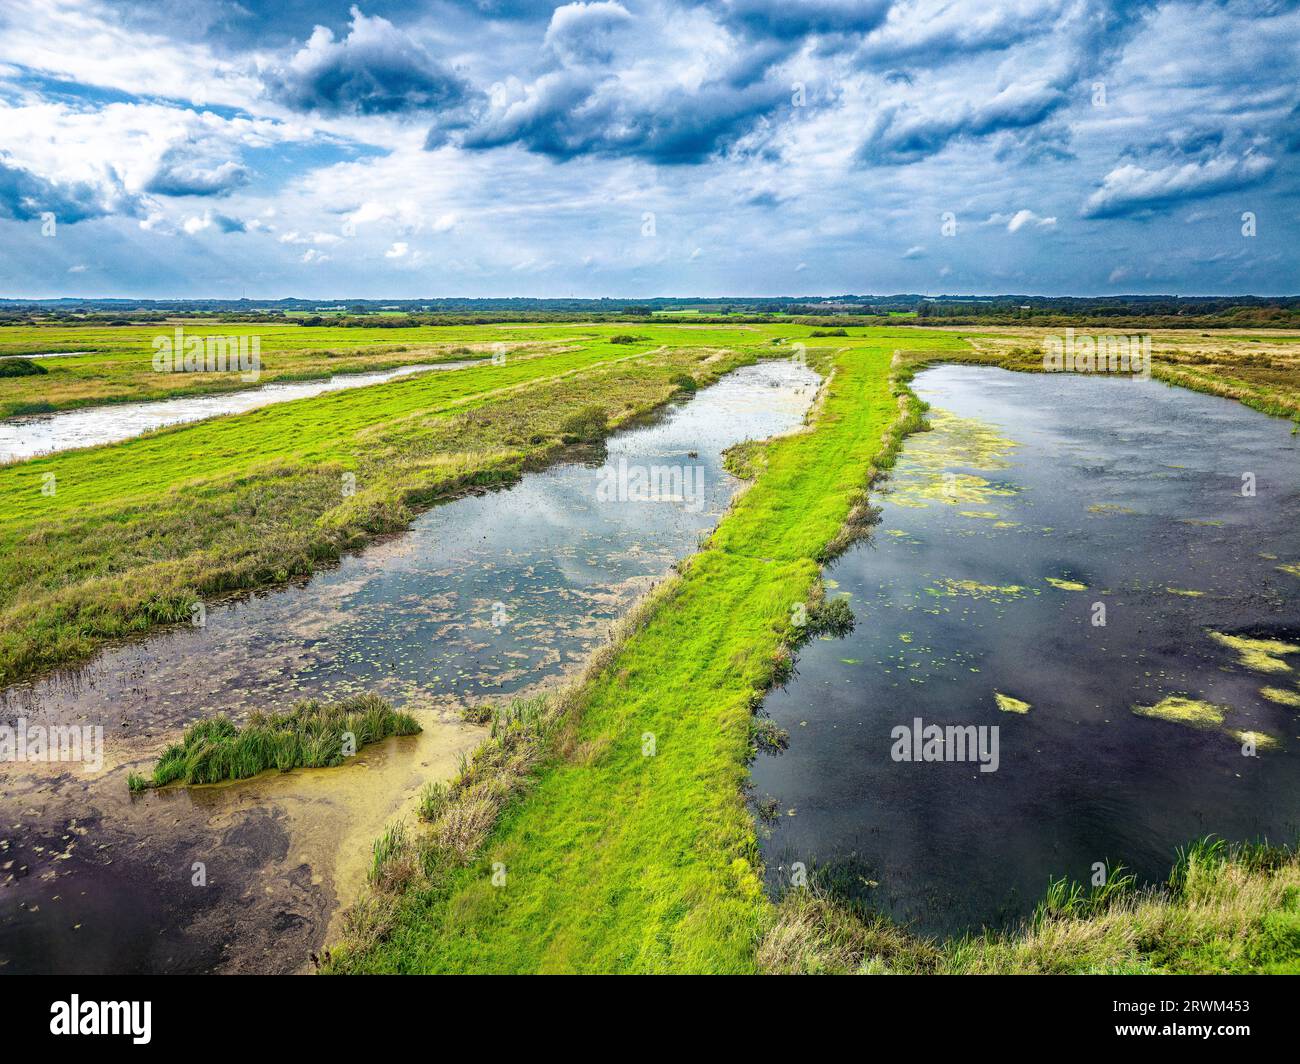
x: 1187, y: 592
x: 1182, y: 710
x: 1010, y: 705
x: 1294, y: 570
x: 987, y: 515
x: 1262, y: 655
x: 1110, y: 508
x: 1261, y: 740
x: 1066, y: 585
x: 924, y: 473
x: 1281, y: 696
x: 974, y: 589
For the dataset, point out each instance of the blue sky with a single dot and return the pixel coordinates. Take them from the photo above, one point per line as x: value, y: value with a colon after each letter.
x: 665, y: 147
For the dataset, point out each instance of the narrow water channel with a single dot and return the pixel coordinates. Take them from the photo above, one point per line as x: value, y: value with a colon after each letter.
x: 1073, y: 562
x: 28, y: 436
x: 485, y: 597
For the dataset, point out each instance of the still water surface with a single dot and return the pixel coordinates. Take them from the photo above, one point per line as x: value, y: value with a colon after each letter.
x: 1034, y: 501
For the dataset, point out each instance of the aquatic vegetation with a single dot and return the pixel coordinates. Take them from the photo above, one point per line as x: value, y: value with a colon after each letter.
x: 1110, y: 508
x: 973, y: 588
x: 1185, y: 592
x: 1222, y: 910
x: 1281, y: 696
x: 1066, y: 585
x: 1011, y: 705
x: 1261, y: 655
x: 310, y: 735
x: 1259, y: 740
x: 1182, y: 710
x: 1294, y: 570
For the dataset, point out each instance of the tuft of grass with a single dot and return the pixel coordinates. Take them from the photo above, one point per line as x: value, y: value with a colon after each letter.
x: 21, y: 367
x: 310, y: 735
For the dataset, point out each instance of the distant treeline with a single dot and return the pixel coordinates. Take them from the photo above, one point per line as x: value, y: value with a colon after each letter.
x: 838, y: 311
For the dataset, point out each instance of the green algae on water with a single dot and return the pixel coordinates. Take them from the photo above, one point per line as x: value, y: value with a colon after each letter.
x: 1281, y: 696
x: 1262, y: 655
x: 1011, y: 705
x: 1259, y: 740
x: 1066, y: 585
x: 1182, y: 710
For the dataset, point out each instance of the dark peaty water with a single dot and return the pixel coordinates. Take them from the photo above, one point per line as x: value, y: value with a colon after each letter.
x: 1039, y: 505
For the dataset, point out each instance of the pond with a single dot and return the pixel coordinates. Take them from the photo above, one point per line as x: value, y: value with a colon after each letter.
x: 1099, y: 579
x: 485, y: 597
x: 30, y: 435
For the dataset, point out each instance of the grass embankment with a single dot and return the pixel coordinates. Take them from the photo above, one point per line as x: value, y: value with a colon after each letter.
x: 310, y: 735
x: 1260, y: 371
x: 135, y: 533
x: 634, y: 850
x: 1223, y: 911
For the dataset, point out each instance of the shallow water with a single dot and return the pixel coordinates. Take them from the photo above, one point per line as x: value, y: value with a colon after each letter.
x: 1127, y: 494
x: 26, y: 437
x: 485, y: 597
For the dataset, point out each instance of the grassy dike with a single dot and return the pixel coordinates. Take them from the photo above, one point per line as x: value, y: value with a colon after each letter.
x: 109, y: 541
x: 619, y: 861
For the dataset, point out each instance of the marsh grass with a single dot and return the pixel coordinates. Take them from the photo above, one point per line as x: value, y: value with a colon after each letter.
x: 310, y: 735
x: 1224, y: 909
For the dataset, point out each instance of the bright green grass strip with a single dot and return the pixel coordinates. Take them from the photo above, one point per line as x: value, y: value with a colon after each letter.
x: 618, y: 862
x: 310, y: 735
x: 319, y: 429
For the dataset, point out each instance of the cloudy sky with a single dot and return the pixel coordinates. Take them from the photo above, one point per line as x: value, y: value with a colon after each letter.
x: 399, y: 148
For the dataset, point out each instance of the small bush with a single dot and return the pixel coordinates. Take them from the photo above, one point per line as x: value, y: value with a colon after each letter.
x: 585, y: 426
x: 20, y: 367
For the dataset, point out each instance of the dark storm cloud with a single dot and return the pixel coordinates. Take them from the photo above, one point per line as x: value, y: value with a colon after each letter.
x: 905, y: 135
x: 25, y: 196
x: 785, y: 19
x: 181, y: 175
x: 374, y: 70
x: 566, y: 114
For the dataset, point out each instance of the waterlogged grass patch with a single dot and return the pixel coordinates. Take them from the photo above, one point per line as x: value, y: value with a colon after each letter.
x: 310, y: 735
x: 1011, y: 705
x: 1281, y: 696
x: 1182, y: 710
x: 1261, y: 655
x: 1066, y: 585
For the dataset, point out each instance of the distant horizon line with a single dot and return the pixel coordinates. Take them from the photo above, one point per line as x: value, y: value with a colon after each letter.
x: 825, y: 297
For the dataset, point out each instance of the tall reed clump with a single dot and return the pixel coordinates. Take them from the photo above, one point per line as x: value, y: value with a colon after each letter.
x: 310, y: 735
